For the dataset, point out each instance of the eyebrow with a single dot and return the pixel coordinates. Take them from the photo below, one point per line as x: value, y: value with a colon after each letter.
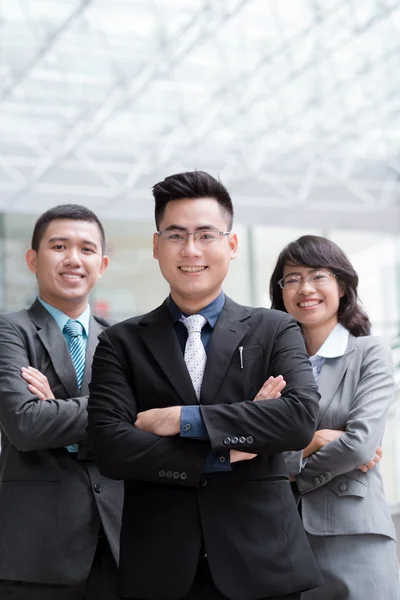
x: 200, y: 228
x: 65, y: 239
x: 311, y: 270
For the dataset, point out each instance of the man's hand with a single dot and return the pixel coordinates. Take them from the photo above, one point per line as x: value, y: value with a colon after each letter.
x: 37, y: 383
x: 372, y: 463
x: 238, y: 456
x: 160, y: 421
x: 271, y: 388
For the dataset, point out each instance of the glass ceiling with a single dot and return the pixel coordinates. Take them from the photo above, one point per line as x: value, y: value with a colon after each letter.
x: 294, y: 104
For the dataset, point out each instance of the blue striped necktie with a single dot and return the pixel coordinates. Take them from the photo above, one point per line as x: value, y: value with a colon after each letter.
x: 73, y: 331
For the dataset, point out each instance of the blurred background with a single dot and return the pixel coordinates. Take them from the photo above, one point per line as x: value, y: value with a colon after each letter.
x: 295, y: 105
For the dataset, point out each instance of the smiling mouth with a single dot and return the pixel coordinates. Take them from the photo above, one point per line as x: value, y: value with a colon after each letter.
x: 309, y: 303
x: 192, y: 269
x: 71, y: 276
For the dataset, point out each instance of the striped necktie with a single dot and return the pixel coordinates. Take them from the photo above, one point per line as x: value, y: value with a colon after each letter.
x: 73, y: 331
x: 195, y: 354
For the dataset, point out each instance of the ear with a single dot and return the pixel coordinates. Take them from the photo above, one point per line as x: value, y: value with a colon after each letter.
x: 233, y: 245
x: 156, y: 241
x: 104, y: 265
x: 342, y: 289
x: 31, y: 259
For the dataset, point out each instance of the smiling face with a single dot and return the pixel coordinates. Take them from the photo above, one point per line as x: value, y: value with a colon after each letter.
x: 194, y: 271
x: 68, y: 264
x: 312, y: 306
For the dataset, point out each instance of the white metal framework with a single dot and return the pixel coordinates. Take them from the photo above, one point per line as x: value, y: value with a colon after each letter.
x: 295, y: 105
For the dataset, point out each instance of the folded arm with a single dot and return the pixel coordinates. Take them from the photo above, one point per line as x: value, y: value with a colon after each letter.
x: 124, y: 451
x: 31, y: 423
x: 357, y: 445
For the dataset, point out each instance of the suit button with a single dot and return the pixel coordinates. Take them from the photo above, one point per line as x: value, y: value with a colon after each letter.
x: 235, y: 440
x: 227, y: 441
x: 168, y: 475
x: 176, y: 475
x: 183, y: 475
x: 342, y: 487
x: 316, y: 480
x: 203, y: 481
x: 222, y: 459
x: 161, y: 473
x: 187, y: 427
x: 242, y: 439
x: 322, y: 479
x: 97, y: 488
x: 250, y: 439
x: 327, y: 475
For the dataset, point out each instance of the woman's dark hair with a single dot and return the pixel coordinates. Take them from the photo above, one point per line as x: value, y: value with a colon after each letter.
x: 320, y: 253
x: 192, y: 184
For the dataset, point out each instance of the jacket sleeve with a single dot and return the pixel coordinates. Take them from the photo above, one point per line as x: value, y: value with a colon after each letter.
x: 274, y: 425
x: 123, y: 451
x: 30, y: 423
x: 365, y: 423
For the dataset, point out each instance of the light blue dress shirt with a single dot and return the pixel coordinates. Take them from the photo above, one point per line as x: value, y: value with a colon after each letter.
x: 61, y: 319
x: 334, y: 346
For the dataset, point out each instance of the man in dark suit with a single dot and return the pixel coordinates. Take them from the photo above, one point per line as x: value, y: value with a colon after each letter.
x: 59, y: 518
x: 208, y: 512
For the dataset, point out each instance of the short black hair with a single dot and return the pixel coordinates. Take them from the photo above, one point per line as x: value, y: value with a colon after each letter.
x: 318, y: 252
x: 191, y: 185
x: 75, y: 212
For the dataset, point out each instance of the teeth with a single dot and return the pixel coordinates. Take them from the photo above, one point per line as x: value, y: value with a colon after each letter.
x: 192, y: 269
x: 70, y: 276
x: 311, y: 303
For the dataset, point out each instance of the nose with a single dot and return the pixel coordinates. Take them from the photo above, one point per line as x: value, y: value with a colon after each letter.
x: 306, y: 287
x: 191, y: 248
x: 73, y: 258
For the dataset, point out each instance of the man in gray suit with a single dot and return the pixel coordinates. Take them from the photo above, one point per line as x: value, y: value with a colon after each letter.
x: 59, y: 518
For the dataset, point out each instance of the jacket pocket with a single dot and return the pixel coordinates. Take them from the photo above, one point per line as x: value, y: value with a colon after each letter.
x: 344, y: 485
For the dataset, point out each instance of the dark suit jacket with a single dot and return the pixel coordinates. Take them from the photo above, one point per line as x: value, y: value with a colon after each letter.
x: 254, y: 538
x: 51, y: 501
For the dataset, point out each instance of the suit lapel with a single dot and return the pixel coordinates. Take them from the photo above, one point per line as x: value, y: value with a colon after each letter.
x: 94, y: 331
x: 332, y: 373
x: 159, y: 336
x: 56, y: 347
x: 229, y: 330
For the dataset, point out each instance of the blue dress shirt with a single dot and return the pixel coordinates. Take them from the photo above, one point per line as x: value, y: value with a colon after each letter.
x: 192, y: 424
x: 61, y: 319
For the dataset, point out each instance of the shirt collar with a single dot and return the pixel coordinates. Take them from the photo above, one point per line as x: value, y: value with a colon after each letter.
x: 335, y: 344
x: 211, y: 312
x: 61, y: 318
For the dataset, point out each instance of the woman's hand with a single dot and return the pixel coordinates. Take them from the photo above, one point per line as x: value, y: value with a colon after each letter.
x: 271, y: 388
x: 320, y: 439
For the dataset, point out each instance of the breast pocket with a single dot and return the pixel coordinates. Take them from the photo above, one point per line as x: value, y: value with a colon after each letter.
x: 242, y: 380
x: 246, y: 356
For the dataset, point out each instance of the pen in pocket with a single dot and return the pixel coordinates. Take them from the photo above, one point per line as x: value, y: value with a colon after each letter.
x: 241, y: 356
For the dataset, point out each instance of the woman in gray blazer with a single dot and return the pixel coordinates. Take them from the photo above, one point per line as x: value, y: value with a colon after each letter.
x: 343, y: 506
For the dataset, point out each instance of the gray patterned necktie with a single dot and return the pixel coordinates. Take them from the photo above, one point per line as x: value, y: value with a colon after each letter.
x: 195, y: 354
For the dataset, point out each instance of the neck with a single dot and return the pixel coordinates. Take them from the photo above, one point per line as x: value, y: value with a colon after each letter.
x: 192, y: 305
x: 315, y: 336
x: 72, y: 310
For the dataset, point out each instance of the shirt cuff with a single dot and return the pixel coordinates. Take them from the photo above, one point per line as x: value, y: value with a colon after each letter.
x: 192, y: 424
x: 217, y: 462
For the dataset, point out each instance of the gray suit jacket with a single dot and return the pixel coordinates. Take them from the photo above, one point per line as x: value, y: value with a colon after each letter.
x: 356, y: 390
x: 51, y: 502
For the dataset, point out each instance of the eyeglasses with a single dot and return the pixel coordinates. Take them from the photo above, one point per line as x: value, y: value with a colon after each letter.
x: 318, y: 280
x: 202, y: 237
